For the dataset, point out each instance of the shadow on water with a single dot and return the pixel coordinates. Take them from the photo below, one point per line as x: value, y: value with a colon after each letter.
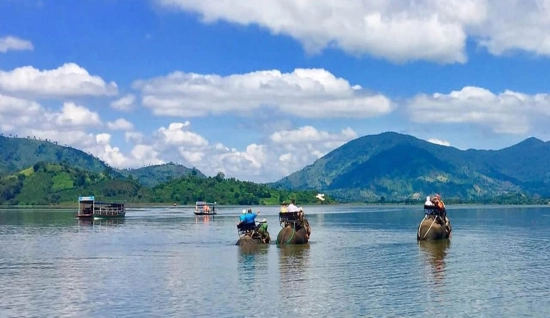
x: 434, y: 253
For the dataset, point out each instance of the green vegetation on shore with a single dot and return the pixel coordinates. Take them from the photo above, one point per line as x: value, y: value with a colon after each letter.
x: 46, y: 183
x: 388, y: 168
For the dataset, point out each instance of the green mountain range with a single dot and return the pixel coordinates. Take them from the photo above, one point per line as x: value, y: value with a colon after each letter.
x: 392, y: 166
x: 157, y: 174
x: 48, y: 183
x: 35, y: 172
x: 21, y: 153
x: 388, y: 167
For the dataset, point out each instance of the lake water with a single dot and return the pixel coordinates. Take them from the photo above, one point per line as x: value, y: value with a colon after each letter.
x: 361, y: 261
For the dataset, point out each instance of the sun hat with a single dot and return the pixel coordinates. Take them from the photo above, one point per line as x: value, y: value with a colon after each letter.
x: 244, y: 211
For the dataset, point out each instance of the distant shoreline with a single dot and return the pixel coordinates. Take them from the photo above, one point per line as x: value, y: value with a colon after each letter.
x: 167, y: 205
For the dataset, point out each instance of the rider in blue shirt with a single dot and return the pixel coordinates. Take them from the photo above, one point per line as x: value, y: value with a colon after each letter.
x: 250, y: 217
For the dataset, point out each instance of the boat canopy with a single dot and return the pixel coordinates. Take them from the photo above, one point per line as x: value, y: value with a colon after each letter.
x: 203, y: 203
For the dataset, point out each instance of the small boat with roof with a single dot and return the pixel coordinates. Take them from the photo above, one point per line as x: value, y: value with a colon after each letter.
x: 205, y: 208
x: 89, y: 208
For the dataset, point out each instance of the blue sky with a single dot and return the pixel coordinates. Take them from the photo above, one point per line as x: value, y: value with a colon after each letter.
x: 260, y: 89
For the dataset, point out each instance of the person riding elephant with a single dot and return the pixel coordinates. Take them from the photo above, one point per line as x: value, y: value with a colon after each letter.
x: 435, y: 225
x: 249, y: 233
x: 248, y: 220
x: 262, y: 230
x: 295, y: 227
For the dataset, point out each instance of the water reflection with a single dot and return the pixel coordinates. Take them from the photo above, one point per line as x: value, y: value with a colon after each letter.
x: 101, y: 222
x: 252, y: 264
x: 203, y: 219
x: 293, y: 269
x: 434, y: 254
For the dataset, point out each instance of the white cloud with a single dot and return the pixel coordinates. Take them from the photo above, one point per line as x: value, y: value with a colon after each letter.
x: 508, y: 112
x: 133, y: 137
x: 67, y: 126
x: 22, y: 115
x: 16, y: 113
x: 308, y: 93
x: 144, y: 155
x: 74, y: 115
x: 67, y: 80
x: 399, y: 31
x: 11, y: 43
x: 516, y: 25
x: 439, y: 142
x: 282, y: 153
x: 120, y: 124
x: 125, y: 103
x: 103, y: 139
x: 396, y: 30
x: 176, y: 135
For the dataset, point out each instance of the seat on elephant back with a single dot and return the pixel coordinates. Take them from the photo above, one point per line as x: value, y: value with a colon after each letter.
x: 246, y: 227
x: 435, y: 211
x: 289, y: 217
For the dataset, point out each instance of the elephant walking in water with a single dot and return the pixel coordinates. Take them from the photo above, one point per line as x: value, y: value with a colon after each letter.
x: 296, y: 228
x: 254, y: 234
x: 434, y: 227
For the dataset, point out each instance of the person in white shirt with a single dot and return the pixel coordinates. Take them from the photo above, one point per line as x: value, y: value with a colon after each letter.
x: 428, y: 202
x: 292, y: 206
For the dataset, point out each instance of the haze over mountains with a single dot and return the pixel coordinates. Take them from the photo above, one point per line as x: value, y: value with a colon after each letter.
x: 388, y: 165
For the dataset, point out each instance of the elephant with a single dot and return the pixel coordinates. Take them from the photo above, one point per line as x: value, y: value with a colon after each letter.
x: 252, y: 237
x: 434, y: 227
x: 297, y: 232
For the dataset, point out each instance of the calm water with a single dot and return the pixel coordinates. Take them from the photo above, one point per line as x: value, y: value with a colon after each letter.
x: 361, y: 261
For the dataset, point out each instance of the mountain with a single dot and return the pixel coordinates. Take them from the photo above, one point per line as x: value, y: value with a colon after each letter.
x: 154, y: 175
x: 396, y: 166
x: 47, y: 183
x: 52, y: 174
x: 21, y: 153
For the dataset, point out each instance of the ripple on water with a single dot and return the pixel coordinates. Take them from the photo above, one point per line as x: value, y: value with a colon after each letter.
x: 361, y: 261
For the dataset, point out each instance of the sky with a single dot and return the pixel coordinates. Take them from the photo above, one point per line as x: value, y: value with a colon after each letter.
x: 258, y: 89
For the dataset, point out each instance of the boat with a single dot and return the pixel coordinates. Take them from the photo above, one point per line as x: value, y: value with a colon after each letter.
x: 89, y: 208
x: 205, y: 208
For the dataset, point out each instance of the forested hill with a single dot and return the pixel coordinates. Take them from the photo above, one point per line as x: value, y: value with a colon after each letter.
x: 153, y: 175
x: 46, y: 183
x: 20, y: 153
x: 392, y: 166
